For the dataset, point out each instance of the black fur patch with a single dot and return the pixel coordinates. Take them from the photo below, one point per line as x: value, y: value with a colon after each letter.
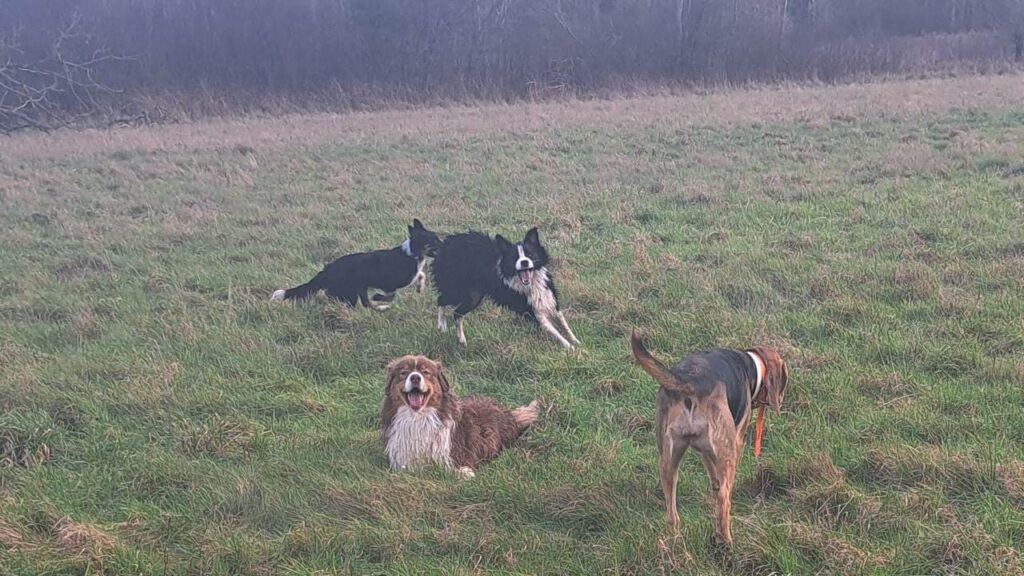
x: 350, y: 277
x: 472, y: 266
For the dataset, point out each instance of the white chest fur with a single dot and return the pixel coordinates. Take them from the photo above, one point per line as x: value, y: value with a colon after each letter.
x: 421, y: 276
x: 418, y: 437
x: 538, y: 294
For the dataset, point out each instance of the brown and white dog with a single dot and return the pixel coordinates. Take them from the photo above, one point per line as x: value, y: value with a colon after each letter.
x: 705, y: 402
x: 423, y: 421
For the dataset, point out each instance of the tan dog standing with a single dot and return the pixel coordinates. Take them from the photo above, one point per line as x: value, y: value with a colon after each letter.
x: 705, y: 402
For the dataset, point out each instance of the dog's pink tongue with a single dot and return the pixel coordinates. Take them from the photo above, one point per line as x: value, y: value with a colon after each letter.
x: 415, y: 400
x: 524, y: 276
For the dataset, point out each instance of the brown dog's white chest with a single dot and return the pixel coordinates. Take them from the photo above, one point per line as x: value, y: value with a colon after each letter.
x: 416, y: 437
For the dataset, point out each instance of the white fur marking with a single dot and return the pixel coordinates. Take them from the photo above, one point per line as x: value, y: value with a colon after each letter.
x: 542, y: 301
x: 568, y: 331
x: 418, y: 436
x: 546, y: 325
x: 523, y: 263
x: 759, y: 364
x: 421, y: 277
x: 409, y: 382
x: 407, y: 248
x: 459, y: 331
x: 277, y: 295
x: 466, y: 472
x: 442, y: 322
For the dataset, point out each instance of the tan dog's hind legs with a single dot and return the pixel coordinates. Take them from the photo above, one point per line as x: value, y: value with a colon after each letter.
x: 668, y: 465
x: 720, y: 465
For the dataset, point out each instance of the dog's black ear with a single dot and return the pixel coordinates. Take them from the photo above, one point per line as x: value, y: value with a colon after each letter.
x: 417, y: 224
x: 502, y: 242
x: 532, y: 237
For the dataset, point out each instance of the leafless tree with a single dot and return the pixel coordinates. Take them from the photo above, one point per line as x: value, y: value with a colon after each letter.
x: 49, y: 90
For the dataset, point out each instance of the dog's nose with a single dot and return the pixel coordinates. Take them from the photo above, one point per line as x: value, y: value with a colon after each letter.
x: 524, y: 264
x: 414, y: 378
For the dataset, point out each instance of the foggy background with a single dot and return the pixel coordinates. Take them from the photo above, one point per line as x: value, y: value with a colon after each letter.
x: 149, y: 60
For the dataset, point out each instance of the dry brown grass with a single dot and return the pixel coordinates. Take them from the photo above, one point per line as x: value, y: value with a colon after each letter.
x: 1011, y: 475
x: 731, y: 107
x: 83, y: 540
x: 12, y: 539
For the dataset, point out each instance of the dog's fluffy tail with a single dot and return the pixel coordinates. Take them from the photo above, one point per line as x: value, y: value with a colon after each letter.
x: 299, y: 292
x: 526, y: 415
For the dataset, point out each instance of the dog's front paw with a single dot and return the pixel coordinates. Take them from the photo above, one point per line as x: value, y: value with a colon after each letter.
x: 466, y: 472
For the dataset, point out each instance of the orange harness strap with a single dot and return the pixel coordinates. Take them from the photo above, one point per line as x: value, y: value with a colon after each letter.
x: 758, y: 431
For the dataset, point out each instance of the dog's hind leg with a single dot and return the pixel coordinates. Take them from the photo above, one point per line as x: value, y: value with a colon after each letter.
x: 442, y: 322
x: 670, y: 452
x: 568, y: 331
x: 381, y: 301
x: 364, y: 299
x: 459, y: 331
x: 465, y: 307
x: 720, y: 465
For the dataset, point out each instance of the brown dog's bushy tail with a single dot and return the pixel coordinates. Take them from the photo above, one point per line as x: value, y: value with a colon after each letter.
x: 656, y: 369
x: 526, y: 415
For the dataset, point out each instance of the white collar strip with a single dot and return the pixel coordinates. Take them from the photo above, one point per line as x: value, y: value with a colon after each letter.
x: 407, y: 248
x: 759, y: 364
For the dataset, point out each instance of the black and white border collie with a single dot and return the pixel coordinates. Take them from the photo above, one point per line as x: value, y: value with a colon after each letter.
x: 472, y: 266
x: 385, y: 271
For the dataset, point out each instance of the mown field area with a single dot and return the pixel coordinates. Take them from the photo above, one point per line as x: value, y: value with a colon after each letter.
x: 159, y: 416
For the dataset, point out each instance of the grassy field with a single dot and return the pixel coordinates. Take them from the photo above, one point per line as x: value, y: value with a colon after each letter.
x: 159, y: 416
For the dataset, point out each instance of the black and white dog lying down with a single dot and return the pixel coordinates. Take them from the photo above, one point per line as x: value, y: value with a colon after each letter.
x: 350, y: 277
x: 471, y: 266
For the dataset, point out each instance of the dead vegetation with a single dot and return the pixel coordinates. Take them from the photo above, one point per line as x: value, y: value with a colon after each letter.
x: 669, y: 111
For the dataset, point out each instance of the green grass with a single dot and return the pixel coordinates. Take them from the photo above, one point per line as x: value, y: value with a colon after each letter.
x: 159, y: 416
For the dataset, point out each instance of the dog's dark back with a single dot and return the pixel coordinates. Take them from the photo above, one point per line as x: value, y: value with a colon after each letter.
x: 707, y: 369
x: 462, y: 261
x: 349, y: 277
x: 465, y: 270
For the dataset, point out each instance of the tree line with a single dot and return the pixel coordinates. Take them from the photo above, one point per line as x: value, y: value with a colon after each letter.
x: 64, y: 57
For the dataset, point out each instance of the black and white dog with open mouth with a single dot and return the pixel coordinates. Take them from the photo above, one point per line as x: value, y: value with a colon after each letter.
x: 350, y: 277
x: 471, y: 266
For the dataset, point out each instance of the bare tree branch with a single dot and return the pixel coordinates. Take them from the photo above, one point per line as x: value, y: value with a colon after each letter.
x: 49, y: 91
